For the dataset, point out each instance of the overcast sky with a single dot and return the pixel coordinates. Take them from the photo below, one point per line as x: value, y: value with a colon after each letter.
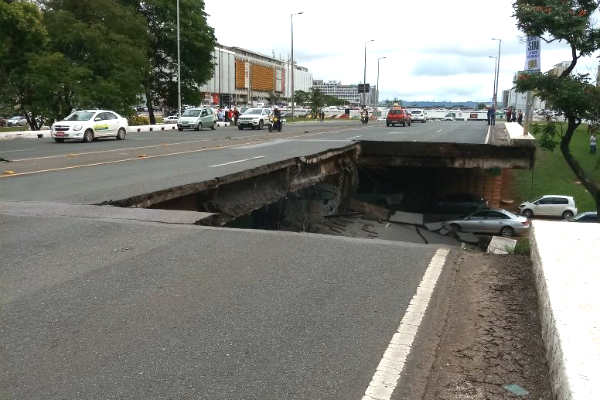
x: 435, y: 49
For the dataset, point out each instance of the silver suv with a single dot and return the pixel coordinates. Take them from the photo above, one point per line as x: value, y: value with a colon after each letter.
x: 418, y: 115
x: 549, y: 206
x: 255, y: 118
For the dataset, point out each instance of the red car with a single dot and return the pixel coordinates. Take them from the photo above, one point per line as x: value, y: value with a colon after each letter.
x: 397, y: 115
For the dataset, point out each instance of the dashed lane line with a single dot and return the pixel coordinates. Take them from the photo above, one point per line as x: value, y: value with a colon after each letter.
x: 237, y: 161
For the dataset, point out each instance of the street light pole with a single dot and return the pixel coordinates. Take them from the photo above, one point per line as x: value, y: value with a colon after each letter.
x: 292, y: 66
x: 364, y: 97
x: 497, y: 73
x: 178, y: 67
x: 377, y: 104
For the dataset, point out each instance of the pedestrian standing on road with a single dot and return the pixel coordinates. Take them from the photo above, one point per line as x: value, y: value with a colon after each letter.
x: 509, y: 114
x: 520, y: 118
x: 593, y: 143
x: 236, y: 114
x: 493, y: 116
x: 226, y: 115
x: 489, y: 116
x: 220, y: 115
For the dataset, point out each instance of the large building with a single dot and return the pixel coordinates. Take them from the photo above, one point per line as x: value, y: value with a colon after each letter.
x: 245, y: 77
x: 348, y: 93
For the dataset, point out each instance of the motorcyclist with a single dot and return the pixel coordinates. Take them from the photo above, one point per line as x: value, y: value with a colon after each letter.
x: 364, y: 114
x: 277, y: 113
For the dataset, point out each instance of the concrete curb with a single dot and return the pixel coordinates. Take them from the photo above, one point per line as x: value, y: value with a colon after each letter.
x: 46, y: 133
x: 564, y: 265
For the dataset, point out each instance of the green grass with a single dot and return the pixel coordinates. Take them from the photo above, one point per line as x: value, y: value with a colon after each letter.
x: 13, y: 128
x: 523, y: 247
x: 552, y: 175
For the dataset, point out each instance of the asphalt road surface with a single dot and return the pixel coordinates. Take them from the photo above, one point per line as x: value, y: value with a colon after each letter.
x: 90, y: 173
x: 95, y: 309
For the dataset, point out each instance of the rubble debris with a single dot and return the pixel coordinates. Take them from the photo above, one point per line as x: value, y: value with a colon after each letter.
x: 435, y: 226
x: 467, y: 237
x: 369, y: 209
x: 502, y: 245
x: 516, y: 390
x: 407, y: 218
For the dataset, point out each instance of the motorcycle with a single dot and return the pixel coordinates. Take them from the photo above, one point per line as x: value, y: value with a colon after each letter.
x: 275, y: 123
x: 364, y: 118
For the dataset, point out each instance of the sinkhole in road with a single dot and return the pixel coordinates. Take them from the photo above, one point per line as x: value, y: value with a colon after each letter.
x: 336, y: 197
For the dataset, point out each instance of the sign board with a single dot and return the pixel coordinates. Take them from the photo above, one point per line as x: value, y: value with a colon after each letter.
x: 533, y: 58
x: 364, y: 88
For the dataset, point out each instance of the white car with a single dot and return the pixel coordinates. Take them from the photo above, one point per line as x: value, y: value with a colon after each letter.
x: 549, y: 206
x: 16, y: 121
x: 255, y: 118
x: 171, y: 119
x: 418, y: 115
x: 90, y: 125
x: 449, y: 117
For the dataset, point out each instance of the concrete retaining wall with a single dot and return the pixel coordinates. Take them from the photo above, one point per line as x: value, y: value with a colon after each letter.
x: 566, y: 262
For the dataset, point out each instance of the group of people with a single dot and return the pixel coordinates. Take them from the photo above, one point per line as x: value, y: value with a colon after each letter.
x: 513, y: 116
x: 228, y: 115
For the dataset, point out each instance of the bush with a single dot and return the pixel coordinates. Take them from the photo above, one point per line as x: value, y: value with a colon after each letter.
x: 138, y: 120
x: 523, y: 247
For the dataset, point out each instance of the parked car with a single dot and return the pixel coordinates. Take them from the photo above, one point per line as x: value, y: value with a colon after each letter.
x: 397, y: 115
x: 255, y: 118
x: 90, y: 125
x: 549, y: 206
x: 418, y: 115
x: 197, y: 119
x: 449, y: 117
x: 585, y: 217
x: 495, y: 221
x: 16, y: 121
x: 460, y: 203
x: 171, y: 118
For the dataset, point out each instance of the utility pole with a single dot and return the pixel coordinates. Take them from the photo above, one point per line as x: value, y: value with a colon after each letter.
x: 292, y: 69
x: 364, y: 91
x: 178, y: 66
x: 377, y: 104
x: 497, y: 73
x: 495, y: 77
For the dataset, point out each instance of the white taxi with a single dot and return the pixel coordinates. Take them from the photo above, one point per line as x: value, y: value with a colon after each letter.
x: 90, y: 125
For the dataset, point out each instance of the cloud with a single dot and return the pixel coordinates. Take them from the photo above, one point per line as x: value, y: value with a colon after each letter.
x: 452, y: 66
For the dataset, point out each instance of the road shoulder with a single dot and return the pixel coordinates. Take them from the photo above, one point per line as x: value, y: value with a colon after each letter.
x: 483, y: 334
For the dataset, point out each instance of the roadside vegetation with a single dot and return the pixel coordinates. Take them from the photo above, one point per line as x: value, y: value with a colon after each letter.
x: 552, y: 175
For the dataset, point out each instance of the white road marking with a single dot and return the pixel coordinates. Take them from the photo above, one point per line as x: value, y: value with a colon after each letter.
x: 487, y: 138
x: 236, y: 162
x: 14, y: 151
x: 355, y: 137
x: 439, y: 131
x: 390, y: 368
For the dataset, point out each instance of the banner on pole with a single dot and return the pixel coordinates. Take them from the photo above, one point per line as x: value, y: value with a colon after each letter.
x: 533, y: 58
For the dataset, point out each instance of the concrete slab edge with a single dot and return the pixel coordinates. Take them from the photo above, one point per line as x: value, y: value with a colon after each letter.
x: 559, y: 377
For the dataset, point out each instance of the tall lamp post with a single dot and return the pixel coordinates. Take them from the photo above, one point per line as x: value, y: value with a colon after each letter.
x: 365, y: 75
x: 497, y: 73
x: 292, y: 66
x: 377, y: 106
x: 178, y: 67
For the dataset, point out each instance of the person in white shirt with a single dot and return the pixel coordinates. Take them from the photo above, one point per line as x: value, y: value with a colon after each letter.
x: 593, y: 143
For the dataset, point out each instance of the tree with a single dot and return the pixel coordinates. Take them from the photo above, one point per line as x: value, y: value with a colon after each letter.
x: 301, y: 97
x: 197, y: 47
x: 568, y: 21
x: 22, y: 34
x: 481, y: 106
x: 274, y: 98
x: 316, y: 99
